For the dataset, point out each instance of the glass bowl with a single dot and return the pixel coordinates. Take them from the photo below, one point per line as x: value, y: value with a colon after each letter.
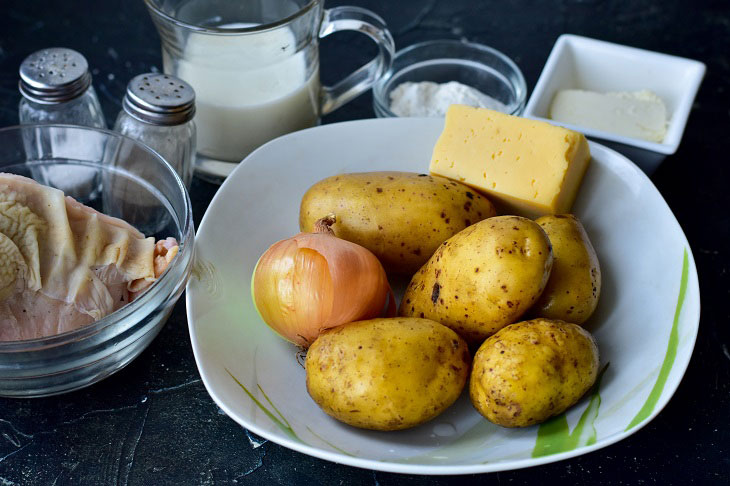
x: 441, y: 61
x: 120, y: 177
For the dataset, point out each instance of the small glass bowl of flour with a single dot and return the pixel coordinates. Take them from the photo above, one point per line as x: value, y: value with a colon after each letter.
x: 426, y: 78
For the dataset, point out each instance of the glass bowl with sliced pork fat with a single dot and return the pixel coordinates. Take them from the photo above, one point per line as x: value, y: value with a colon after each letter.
x: 96, y: 246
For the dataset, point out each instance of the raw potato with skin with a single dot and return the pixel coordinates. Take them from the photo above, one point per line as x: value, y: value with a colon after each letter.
x: 572, y: 291
x: 402, y: 217
x: 531, y: 371
x: 387, y: 374
x: 483, y: 278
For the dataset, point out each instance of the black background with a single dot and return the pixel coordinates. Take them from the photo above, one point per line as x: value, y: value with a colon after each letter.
x: 153, y: 422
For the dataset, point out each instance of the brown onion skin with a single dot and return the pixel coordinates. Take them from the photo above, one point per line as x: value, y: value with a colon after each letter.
x: 315, y: 281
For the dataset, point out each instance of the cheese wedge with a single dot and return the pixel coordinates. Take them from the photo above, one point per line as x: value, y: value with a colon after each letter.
x: 526, y: 167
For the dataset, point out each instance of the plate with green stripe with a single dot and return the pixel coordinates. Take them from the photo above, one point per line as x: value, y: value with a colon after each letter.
x: 645, y: 324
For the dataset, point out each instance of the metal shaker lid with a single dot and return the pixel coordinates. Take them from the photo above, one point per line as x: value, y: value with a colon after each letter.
x: 160, y: 99
x: 54, y: 75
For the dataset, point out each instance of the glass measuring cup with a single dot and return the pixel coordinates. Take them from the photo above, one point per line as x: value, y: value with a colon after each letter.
x: 254, y: 66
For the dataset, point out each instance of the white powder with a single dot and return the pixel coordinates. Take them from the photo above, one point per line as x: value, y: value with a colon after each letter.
x: 432, y: 99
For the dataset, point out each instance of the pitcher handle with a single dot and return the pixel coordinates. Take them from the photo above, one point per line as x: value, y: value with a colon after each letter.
x: 360, y: 20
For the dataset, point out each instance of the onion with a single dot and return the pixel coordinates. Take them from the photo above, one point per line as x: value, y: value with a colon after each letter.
x: 315, y: 281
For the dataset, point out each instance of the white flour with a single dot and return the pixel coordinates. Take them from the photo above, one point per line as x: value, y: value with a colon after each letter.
x: 433, y: 99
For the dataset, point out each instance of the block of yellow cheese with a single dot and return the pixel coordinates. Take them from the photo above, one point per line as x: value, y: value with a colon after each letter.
x: 527, y: 167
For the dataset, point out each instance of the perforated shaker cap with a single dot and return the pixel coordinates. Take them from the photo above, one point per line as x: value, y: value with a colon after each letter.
x: 54, y: 75
x: 160, y: 99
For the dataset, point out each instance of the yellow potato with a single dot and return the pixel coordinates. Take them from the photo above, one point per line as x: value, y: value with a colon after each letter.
x: 401, y: 217
x: 483, y: 278
x: 531, y: 371
x: 572, y: 291
x: 387, y: 374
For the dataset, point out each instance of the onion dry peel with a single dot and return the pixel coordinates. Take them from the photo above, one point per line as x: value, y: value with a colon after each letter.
x: 315, y: 281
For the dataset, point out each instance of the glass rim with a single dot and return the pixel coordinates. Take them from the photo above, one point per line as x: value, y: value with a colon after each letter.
x: 162, y: 284
x: 152, y: 6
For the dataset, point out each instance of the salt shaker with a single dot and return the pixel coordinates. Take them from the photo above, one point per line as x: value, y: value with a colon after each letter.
x: 55, y: 85
x: 158, y: 110
x: 56, y: 88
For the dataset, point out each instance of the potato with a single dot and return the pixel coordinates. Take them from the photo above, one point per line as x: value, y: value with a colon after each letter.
x: 401, y: 217
x: 387, y: 374
x: 574, y: 286
x: 531, y: 371
x: 483, y: 278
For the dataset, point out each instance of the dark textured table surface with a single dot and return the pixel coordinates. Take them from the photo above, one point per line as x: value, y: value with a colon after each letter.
x: 154, y: 423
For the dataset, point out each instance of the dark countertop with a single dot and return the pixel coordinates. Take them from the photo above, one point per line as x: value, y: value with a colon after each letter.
x: 154, y: 423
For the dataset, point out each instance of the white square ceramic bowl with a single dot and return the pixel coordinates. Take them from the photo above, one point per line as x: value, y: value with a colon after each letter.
x: 581, y: 63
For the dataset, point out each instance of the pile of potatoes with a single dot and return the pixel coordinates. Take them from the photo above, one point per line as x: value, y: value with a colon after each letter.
x: 475, y: 276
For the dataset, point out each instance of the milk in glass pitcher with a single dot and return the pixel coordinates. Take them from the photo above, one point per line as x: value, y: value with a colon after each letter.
x: 254, y: 65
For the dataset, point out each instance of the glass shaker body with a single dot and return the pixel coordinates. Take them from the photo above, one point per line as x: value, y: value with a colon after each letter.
x: 84, y: 110
x: 175, y: 143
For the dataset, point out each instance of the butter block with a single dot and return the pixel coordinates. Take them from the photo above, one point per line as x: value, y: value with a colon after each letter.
x: 526, y: 167
x: 637, y: 114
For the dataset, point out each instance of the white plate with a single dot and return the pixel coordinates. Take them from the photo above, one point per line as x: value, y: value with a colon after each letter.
x: 645, y: 324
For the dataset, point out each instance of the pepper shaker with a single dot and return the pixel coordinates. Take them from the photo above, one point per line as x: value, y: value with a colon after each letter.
x: 55, y: 85
x: 56, y: 88
x: 158, y: 110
